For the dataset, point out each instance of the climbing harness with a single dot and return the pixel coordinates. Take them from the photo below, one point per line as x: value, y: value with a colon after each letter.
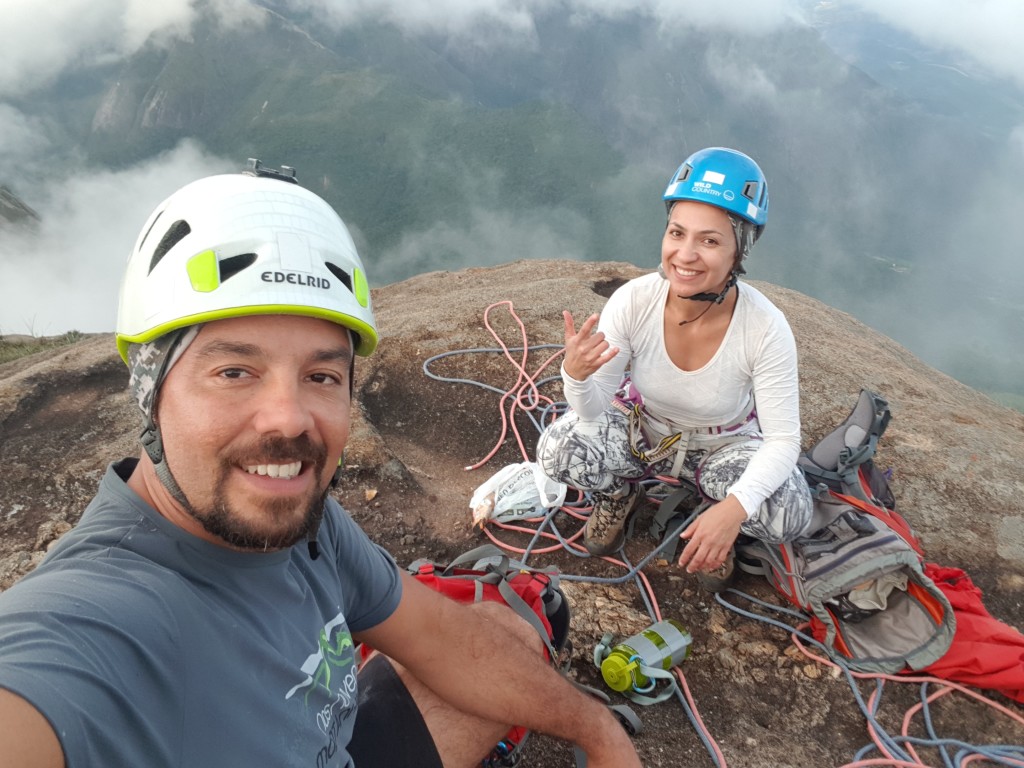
x: 679, y: 505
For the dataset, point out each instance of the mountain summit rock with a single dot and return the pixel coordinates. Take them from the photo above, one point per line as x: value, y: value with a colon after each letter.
x: 955, y: 457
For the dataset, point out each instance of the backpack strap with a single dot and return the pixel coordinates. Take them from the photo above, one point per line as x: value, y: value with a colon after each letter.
x: 489, y: 565
x: 684, y: 502
x: 835, y: 458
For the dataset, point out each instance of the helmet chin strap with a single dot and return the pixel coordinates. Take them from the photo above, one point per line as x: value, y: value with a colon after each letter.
x: 717, y: 298
x: 153, y: 444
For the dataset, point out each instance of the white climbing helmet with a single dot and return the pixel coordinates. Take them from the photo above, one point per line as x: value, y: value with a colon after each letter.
x: 252, y: 243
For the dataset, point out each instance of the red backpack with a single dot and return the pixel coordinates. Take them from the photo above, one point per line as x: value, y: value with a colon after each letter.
x: 486, y: 573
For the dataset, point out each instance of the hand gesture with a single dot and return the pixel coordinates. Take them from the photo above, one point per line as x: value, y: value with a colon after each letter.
x: 585, y: 351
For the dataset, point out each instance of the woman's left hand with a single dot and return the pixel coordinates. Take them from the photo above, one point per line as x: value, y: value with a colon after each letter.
x: 712, y: 535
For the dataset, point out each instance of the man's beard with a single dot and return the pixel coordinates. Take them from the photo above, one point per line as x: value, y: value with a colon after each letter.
x: 261, y: 534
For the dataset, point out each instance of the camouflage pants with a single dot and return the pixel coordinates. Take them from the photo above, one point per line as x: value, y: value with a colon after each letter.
x: 596, y: 456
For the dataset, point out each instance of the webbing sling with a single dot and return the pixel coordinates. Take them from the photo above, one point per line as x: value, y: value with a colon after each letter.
x: 685, y: 502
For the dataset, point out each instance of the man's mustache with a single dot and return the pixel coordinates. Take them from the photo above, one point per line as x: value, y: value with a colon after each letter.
x: 279, y: 450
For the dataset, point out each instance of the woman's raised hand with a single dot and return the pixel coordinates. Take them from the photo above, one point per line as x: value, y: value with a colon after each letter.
x: 585, y: 351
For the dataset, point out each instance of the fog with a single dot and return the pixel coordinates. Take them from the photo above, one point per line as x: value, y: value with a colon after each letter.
x: 981, y: 31
x: 64, y: 275
x: 43, y: 40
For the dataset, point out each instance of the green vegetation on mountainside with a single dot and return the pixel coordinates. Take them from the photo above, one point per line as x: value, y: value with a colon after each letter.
x: 443, y: 153
x: 22, y: 346
x: 393, y: 157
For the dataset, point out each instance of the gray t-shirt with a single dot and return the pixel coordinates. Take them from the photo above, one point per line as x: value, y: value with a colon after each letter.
x: 143, y: 645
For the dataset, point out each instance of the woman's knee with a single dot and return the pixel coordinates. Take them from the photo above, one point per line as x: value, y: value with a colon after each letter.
x: 553, y: 444
x: 785, y: 515
x: 588, y: 455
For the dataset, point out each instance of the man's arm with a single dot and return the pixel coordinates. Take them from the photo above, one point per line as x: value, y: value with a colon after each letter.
x: 26, y: 738
x: 474, y: 666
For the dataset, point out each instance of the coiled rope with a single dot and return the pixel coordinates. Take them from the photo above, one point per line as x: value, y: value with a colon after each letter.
x: 899, y: 751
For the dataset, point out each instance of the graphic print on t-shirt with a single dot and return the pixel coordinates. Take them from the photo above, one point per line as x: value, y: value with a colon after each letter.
x: 330, y: 683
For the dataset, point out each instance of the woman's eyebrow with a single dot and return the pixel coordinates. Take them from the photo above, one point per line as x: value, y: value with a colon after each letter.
x: 677, y: 225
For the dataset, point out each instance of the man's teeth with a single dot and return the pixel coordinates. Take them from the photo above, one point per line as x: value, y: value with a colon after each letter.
x: 285, y: 471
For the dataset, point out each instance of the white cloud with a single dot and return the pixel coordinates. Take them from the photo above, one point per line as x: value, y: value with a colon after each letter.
x: 24, y: 138
x: 43, y: 39
x: 986, y: 30
x: 492, y: 236
x: 65, y: 276
x: 511, y: 22
x: 753, y: 17
x: 742, y: 81
x: 1016, y: 142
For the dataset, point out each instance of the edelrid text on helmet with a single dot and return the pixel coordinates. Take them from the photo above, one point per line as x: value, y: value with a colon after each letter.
x: 243, y: 244
x: 724, y: 178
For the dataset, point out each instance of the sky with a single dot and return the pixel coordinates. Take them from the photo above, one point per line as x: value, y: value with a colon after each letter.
x: 86, y: 217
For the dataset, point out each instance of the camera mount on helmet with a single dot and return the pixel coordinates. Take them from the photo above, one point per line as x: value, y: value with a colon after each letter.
x: 260, y: 171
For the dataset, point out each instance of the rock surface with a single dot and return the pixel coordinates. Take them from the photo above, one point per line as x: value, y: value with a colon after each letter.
x: 955, y: 456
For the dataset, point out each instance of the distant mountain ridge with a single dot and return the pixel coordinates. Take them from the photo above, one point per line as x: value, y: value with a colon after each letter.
x: 943, y: 81
x: 14, y: 210
x: 444, y: 154
x: 392, y: 126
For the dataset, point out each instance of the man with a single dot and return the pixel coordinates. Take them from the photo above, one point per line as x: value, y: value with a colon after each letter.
x: 204, y: 611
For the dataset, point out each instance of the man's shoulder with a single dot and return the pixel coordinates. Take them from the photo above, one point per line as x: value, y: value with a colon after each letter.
x: 338, y: 531
x: 107, y: 556
x: 113, y: 518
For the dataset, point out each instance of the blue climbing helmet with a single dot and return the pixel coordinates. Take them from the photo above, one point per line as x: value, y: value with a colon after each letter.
x: 724, y: 178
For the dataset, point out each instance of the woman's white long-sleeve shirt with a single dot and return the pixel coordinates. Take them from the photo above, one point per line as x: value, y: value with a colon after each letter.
x: 757, y: 359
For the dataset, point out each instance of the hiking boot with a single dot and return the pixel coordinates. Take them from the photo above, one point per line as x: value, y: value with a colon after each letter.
x: 606, y: 529
x: 720, y: 578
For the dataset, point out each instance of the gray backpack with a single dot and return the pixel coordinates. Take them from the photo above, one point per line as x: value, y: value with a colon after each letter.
x: 843, y: 459
x: 859, y: 575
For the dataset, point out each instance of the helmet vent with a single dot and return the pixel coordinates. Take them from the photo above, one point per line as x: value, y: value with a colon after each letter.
x: 684, y: 172
x: 177, y: 231
x: 341, y: 274
x: 232, y: 265
x: 750, y: 191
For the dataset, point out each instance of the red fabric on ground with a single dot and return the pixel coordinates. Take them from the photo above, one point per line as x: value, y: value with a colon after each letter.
x: 985, y: 653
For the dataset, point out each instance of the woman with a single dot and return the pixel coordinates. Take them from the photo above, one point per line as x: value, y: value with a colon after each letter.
x: 715, y: 363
